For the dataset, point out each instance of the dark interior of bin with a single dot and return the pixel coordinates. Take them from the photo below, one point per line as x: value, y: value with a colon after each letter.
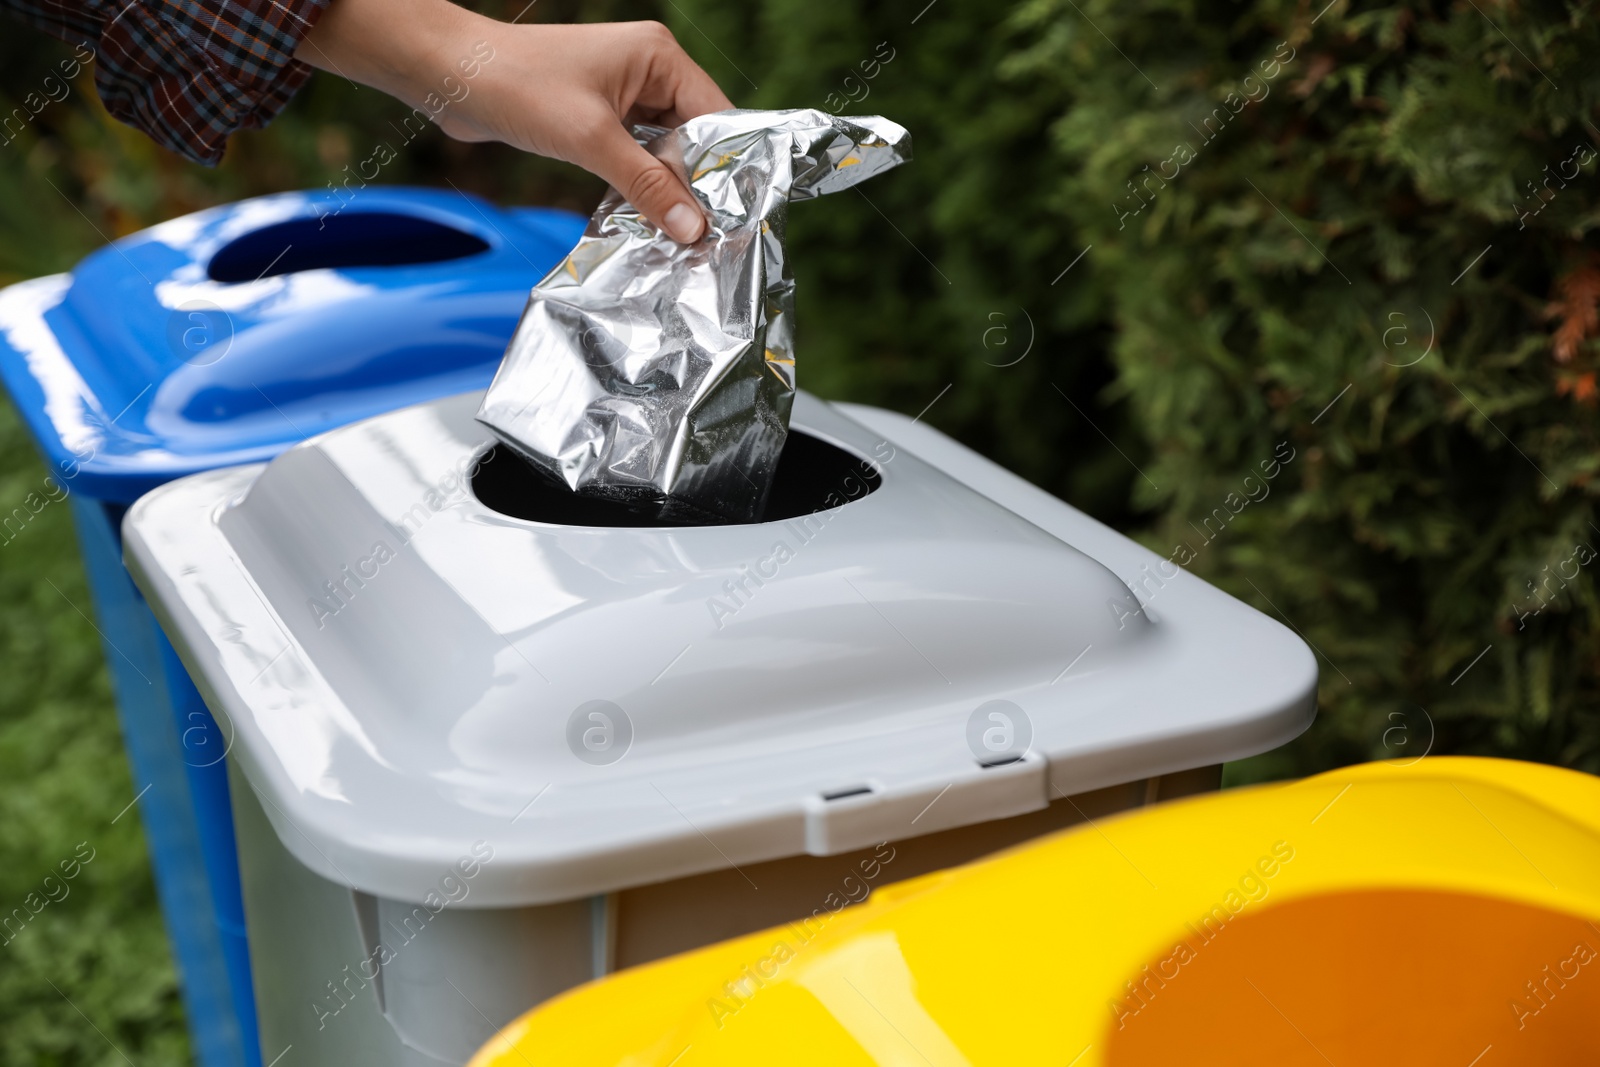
x: 356, y: 239
x: 812, y: 475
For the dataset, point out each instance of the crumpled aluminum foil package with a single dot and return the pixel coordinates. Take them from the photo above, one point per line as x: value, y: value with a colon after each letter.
x: 660, y: 374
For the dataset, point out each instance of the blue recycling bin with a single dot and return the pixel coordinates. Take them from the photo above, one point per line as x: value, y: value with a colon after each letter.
x: 221, y: 338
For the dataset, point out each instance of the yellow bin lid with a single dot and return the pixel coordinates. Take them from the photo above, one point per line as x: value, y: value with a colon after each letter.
x: 1446, y: 912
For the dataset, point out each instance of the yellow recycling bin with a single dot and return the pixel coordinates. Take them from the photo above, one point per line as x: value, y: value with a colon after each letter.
x: 1446, y: 912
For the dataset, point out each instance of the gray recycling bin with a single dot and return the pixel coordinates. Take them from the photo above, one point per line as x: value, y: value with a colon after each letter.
x: 493, y: 740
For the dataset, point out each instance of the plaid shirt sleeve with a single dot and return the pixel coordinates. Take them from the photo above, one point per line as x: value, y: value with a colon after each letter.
x: 187, y: 72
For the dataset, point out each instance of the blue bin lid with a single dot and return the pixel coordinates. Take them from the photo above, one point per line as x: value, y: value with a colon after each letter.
x: 225, y: 336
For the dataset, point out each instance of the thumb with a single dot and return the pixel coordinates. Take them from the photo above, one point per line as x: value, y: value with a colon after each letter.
x: 647, y: 183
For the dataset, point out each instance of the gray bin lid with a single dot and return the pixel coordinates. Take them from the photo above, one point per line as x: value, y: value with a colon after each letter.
x: 403, y: 671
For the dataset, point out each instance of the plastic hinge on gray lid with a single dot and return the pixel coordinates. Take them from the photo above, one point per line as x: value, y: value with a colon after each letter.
x: 405, y: 669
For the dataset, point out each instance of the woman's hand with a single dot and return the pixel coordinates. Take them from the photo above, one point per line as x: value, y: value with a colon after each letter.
x: 563, y: 91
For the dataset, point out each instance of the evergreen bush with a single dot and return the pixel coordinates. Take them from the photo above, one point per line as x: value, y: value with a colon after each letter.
x: 1359, y: 236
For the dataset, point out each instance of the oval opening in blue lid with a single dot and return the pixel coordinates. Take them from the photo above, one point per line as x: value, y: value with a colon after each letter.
x: 357, y: 239
x: 157, y: 358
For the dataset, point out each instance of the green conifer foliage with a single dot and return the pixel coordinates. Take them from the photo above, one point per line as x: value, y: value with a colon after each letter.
x: 1357, y: 235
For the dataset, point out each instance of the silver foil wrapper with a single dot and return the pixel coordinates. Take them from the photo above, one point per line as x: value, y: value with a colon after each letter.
x: 661, y: 375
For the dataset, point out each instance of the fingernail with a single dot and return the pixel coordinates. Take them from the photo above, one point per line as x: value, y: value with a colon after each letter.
x: 684, y: 223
